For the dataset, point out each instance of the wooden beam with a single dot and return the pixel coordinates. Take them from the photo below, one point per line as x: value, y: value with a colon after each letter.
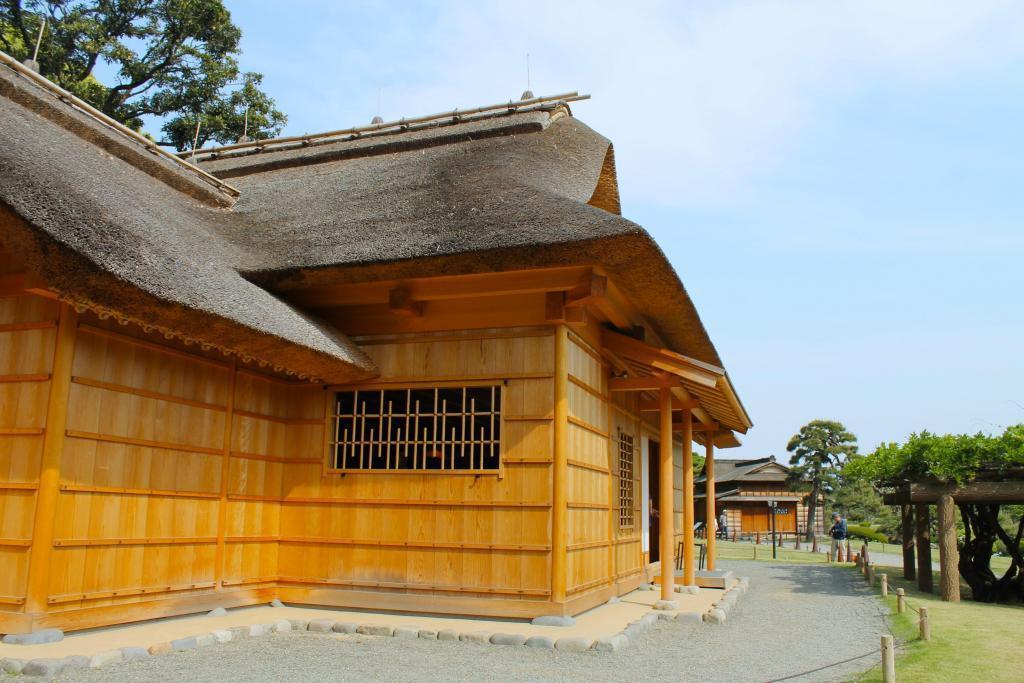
x: 401, y: 302
x: 666, y: 497
x: 689, y: 578
x: 923, y: 536
x: 559, y: 476
x: 706, y: 426
x: 591, y: 288
x: 949, y: 555
x: 225, y: 474
x: 907, y: 519
x: 975, y: 492
x: 49, y: 471
x: 531, y: 281
x: 710, y: 517
x: 648, y: 406
x: 695, y: 371
x: 652, y: 383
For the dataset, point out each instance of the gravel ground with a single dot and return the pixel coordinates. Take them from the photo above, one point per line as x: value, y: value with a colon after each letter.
x: 794, y: 618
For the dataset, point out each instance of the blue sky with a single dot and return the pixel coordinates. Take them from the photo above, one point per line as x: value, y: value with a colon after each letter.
x: 838, y: 184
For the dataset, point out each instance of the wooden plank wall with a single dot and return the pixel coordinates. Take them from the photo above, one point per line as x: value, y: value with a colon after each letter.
x: 588, y: 543
x: 27, y: 336
x: 436, y: 534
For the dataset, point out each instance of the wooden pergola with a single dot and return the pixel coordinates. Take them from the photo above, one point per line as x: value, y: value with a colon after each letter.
x: 915, y: 501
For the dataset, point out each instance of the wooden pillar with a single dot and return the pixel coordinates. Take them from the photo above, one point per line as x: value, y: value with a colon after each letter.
x: 666, y: 497
x: 225, y: 472
x: 907, y: 518
x: 949, y: 554
x: 688, y: 560
x: 922, y: 520
x: 709, y: 497
x: 49, y: 470
x: 559, y: 476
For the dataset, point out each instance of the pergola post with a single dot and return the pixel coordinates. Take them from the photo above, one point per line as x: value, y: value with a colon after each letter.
x: 922, y: 519
x: 688, y: 575
x: 907, y: 519
x: 666, y: 497
x: 949, y: 555
x: 709, y: 497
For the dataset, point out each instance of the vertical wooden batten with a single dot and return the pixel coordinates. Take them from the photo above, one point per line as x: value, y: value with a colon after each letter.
x: 559, y: 473
x: 709, y: 497
x: 666, y: 497
x: 49, y: 471
x: 689, y: 579
x: 225, y: 472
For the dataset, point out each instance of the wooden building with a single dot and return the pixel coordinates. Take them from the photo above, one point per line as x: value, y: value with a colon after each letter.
x: 743, y: 490
x: 422, y: 366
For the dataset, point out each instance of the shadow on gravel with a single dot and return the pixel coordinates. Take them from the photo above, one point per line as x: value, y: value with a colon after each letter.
x: 830, y: 580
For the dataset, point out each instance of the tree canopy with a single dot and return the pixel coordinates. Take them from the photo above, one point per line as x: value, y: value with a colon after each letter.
x: 819, y: 449
x: 173, y: 59
x: 958, y: 458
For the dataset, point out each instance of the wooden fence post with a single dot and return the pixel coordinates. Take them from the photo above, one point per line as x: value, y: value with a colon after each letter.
x: 871, y: 575
x: 924, y: 625
x: 849, y: 556
x: 888, y: 660
x: 885, y: 585
x: 901, y: 601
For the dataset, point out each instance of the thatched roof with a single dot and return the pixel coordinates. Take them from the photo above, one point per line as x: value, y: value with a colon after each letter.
x: 105, y: 221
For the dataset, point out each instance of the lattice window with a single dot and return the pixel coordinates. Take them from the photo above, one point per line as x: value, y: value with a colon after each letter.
x: 451, y: 428
x: 626, y: 483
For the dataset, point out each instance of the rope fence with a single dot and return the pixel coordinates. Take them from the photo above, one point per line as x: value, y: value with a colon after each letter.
x: 888, y: 642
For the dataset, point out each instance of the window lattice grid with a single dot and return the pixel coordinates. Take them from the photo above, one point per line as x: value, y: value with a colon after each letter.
x: 626, y: 483
x: 439, y: 428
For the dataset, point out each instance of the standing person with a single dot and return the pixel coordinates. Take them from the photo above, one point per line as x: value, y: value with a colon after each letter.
x: 838, y: 534
x: 723, y: 525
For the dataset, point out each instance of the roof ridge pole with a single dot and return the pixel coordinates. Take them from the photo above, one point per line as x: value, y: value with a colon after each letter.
x: 688, y: 575
x: 666, y: 496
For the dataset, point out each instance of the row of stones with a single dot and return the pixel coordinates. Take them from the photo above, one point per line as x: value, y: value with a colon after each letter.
x: 721, y: 608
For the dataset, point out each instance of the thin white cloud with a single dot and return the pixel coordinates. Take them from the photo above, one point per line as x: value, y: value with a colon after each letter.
x: 698, y: 97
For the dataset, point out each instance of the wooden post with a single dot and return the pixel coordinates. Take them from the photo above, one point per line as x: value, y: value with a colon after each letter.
x: 666, y: 497
x: 923, y: 535
x: 559, y: 477
x: 924, y: 625
x: 225, y: 472
x: 689, y: 577
x: 907, y: 518
x: 949, y: 555
x: 888, y: 660
x: 709, y: 496
x: 49, y: 470
x: 885, y: 585
x: 901, y: 601
x: 849, y: 555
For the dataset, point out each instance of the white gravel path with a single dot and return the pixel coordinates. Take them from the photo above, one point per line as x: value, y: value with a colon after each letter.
x: 794, y: 618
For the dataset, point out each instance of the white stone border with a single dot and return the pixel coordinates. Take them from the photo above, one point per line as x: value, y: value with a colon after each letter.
x: 52, y: 667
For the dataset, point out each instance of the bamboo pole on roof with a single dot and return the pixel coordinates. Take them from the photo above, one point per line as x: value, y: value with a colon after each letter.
x: 666, y: 497
x: 688, y: 547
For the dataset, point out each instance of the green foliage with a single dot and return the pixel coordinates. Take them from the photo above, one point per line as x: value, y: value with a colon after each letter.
x: 867, y: 533
x: 857, y: 499
x: 819, y: 449
x: 950, y: 458
x: 175, y: 59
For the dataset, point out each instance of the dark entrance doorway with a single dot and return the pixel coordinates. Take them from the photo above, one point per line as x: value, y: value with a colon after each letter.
x: 653, y: 487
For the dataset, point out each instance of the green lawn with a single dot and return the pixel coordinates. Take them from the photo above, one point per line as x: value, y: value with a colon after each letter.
x: 727, y: 550
x: 970, y: 641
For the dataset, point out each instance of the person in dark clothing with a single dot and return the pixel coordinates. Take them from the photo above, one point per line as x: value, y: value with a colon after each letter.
x: 838, y: 534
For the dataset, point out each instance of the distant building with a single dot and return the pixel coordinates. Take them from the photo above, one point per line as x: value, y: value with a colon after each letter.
x: 743, y: 489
